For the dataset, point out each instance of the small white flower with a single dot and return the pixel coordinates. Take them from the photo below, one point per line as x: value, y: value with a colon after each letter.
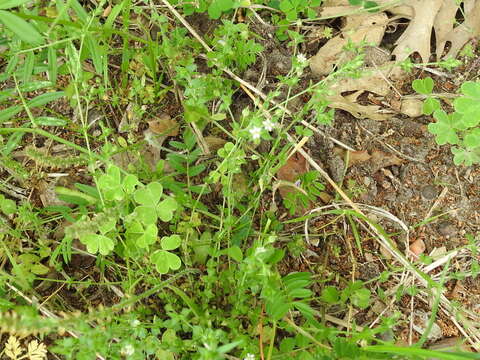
x: 127, y: 350
x: 249, y: 357
x: 301, y: 58
x: 268, y: 125
x: 255, y: 132
x: 135, y: 323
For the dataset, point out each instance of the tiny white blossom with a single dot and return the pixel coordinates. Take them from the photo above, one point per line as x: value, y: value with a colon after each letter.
x: 255, y: 132
x: 301, y: 58
x: 127, y: 350
x: 135, y: 323
x: 249, y: 357
x: 268, y: 125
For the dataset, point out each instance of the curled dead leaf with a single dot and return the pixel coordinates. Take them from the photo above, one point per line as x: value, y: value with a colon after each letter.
x: 412, y: 107
x: 417, y: 247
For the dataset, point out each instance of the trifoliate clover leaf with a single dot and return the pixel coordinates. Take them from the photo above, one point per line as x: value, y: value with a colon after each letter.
x: 443, y: 128
x: 149, y: 195
x: 129, y: 183
x: 165, y: 260
x: 469, y: 105
x: 97, y: 243
x: 148, y: 237
x: 465, y: 156
x: 171, y: 242
x: 146, y: 214
x: 110, y: 184
x: 423, y: 86
x: 107, y: 225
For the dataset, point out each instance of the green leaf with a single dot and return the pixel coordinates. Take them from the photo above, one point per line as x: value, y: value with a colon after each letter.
x: 171, y: 242
x: 22, y: 29
x: 50, y: 121
x: 146, y: 214
x: 110, y: 184
x: 218, y: 6
x: 129, y: 183
x: 430, y: 105
x: 355, y: 2
x: 465, y: 156
x: 277, y: 307
x: 97, y: 243
x: 149, y: 236
x: 469, y: 105
x: 52, y: 64
x: 444, y: 128
x: 472, y: 139
x: 149, y: 195
x: 166, y: 208
x: 361, y: 298
x: 7, y: 206
x: 330, y: 295
x: 165, y: 260
x: 43, y: 99
x: 8, y: 4
x: 235, y: 253
x: 39, y: 269
x: 300, y: 293
x: 423, y: 86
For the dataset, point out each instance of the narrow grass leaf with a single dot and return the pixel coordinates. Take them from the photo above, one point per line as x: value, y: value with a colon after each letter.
x: 52, y: 64
x: 113, y: 14
x: 45, y: 98
x: 8, y: 4
x: 6, y: 114
x: 50, y: 121
x: 28, y: 67
x: 25, y: 31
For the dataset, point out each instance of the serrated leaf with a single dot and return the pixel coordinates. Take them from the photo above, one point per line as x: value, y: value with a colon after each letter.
x: 423, y: 86
x: 171, y: 242
x: 330, y: 295
x: 25, y: 31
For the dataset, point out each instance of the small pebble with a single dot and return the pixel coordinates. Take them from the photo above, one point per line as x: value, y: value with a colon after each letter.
x: 417, y: 247
x: 429, y: 192
x: 447, y: 229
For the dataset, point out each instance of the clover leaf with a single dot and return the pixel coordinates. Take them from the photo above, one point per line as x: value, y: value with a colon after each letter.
x: 163, y: 259
x: 465, y: 156
x: 444, y: 128
x: 469, y: 105
x: 97, y: 243
x: 472, y: 139
x: 110, y: 184
x: 151, y: 208
x: 7, y: 206
x: 423, y: 86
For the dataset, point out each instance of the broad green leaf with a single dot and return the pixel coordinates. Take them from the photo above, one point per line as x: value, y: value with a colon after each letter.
x: 39, y: 269
x: 173, y: 260
x: 218, y: 6
x: 423, y: 86
x: 166, y: 208
x: 97, y: 243
x: 25, y: 31
x: 107, y: 225
x: 171, y: 242
x: 471, y: 89
x: 8, y: 4
x: 149, y: 236
x: 235, y: 253
x: 469, y: 104
x: 277, y: 307
x: 330, y: 295
x: 443, y: 128
x: 74, y: 196
x: 361, y: 298
x: 7, y: 206
x: 300, y: 293
x: 149, y: 195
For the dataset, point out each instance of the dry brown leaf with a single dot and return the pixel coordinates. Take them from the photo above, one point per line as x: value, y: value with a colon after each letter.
x: 295, y: 166
x: 416, y: 38
x: 164, y: 125
x: 359, y: 111
x: 355, y: 157
x: 443, y: 24
x: 214, y: 143
x: 412, y: 107
x: 417, y: 247
x: 470, y: 28
x: 382, y: 160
